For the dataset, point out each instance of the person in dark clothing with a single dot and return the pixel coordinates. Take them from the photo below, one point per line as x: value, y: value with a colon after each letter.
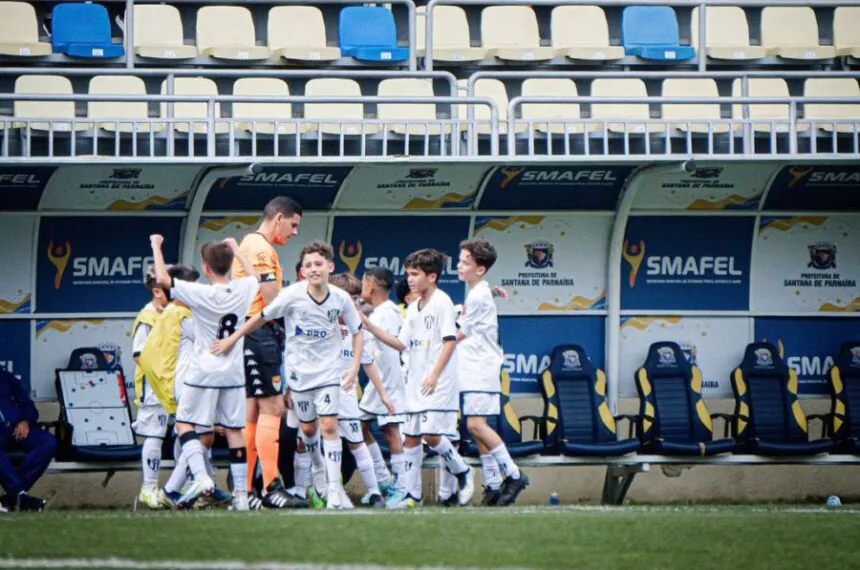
x: 19, y: 432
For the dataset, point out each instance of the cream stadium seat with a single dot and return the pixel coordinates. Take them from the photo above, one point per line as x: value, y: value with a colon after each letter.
x: 55, y: 115
x: 200, y: 86
x: 451, y: 40
x: 765, y: 87
x: 491, y: 89
x: 846, y: 30
x: 227, y: 32
x: 511, y: 33
x: 416, y: 112
x: 833, y: 87
x: 19, y: 31
x: 693, y: 117
x: 267, y: 116
x: 581, y: 33
x: 107, y: 113
x: 298, y: 33
x: 727, y: 34
x: 335, y: 118
x: 554, y: 118
x: 633, y: 88
x: 792, y: 33
x: 158, y: 33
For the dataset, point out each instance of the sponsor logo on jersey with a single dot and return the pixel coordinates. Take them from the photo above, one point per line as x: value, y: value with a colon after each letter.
x: 311, y: 333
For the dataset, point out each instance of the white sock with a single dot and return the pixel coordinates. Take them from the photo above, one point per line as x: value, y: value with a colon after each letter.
x: 239, y: 471
x: 150, y: 460
x: 313, y: 448
x: 333, y: 449
x: 506, y: 464
x: 412, y: 471
x: 453, y: 460
x: 447, y: 481
x: 492, y: 475
x: 364, y: 465
x: 193, y: 452
x: 383, y: 475
x: 397, y: 460
x: 301, y: 474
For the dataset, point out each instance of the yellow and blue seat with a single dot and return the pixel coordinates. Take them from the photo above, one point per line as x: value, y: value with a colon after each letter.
x: 768, y: 416
x: 673, y: 417
x: 579, y: 421
x: 845, y: 393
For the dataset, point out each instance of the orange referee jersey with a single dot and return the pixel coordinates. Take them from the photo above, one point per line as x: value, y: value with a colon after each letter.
x: 263, y: 256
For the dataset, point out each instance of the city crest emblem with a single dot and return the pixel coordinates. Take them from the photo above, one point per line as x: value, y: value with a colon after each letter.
x: 539, y: 254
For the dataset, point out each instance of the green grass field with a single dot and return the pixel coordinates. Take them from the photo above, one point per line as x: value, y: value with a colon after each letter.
x: 634, y: 538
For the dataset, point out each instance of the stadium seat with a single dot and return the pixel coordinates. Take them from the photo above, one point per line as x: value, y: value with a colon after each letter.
x: 495, y: 90
x: 19, y: 34
x: 768, y: 416
x: 158, y: 33
x: 510, y: 33
x: 833, y: 87
x: 673, y: 417
x: 264, y: 118
x: 792, y: 33
x: 651, y: 33
x: 633, y: 88
x: 581, y: 33
x: 846, y: 22
x: 765, y: 87
x: 727, y: 34
x: 59, y: 113
x: 83, y: 30
x: 297, y: 33
x: 845, y: 394
x: 451, y: 40
x: 227, y: 32
x: 578, y: 418
x: 106, y: 113
x: 544, y: 115
x: 693, y: 117
x: 368, y: 33
x: 339, y: 118
x: 393, y: 112
x: 193, y: 86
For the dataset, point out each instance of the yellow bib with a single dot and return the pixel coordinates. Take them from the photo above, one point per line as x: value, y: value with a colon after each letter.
x: 161, y: 352
x: 146, y: 317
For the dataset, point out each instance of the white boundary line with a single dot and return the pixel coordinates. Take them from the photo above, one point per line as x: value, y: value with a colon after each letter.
x: 127, y: 564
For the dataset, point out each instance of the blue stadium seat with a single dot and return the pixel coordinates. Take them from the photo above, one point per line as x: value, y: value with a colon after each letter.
x: 83, y: 30
x: 579, y: 421
x: 674, y: 418
x: 651, y: 32
x: 845, y: 392
x: 768, y: 416
x: 368, y: 33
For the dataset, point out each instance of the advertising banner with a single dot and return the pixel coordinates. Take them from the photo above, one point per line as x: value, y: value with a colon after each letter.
x: 411, y: 187
x: 815, y: 187
x: 16, y: 251
x: 15, y: 349
x: 549, y: 263
x: 21, y: 186
x: 96, y: 264
x: 686, y: 263
x: 314, y: 187
x: 715, y: 345
x: 807, y: 263
x: 554, y: 187
x: 528, y: 343
x: 736, y: 186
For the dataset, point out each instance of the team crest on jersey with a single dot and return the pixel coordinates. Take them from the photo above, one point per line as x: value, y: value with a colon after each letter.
x: 666, y: 356
x: 763, y: 358
x: 333, y: 314
x: 822, y: 255
x: 276, y: 382
x: 539, y: 254
x: 429, y: 321
x: 855, y: 357
x: 571, y: 360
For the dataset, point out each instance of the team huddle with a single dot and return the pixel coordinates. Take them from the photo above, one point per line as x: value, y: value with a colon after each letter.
x: 215, y: 356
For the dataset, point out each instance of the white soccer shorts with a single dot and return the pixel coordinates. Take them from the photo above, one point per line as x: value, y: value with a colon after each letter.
x: 208, y: 407
x: 480, y: 404
x: 431, y: 423
x: 350, y: 430
x: 151, y: 421
x: 384, y: 420
x: 315, y: 403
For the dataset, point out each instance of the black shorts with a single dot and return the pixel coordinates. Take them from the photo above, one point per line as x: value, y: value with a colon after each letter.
x: 263, y: 355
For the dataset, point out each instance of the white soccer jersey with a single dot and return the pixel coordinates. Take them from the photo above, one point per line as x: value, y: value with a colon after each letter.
x: 348, y: 400
x: 479, y: 356
x: 387, y: 317
x: 218, y: 310
x: 314, y: 340
x: 424, y: 333
x: 141, y: 333
x: 185, y: 357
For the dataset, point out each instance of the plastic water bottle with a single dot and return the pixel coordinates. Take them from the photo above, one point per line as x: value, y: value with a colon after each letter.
x: 834, y: 502
x: 554, y: 501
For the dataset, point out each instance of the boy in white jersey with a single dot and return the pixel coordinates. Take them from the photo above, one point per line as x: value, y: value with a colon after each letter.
x: 314, y: 376
x: 214, y: 391
x: 480, y: 359
x: 432, y: 397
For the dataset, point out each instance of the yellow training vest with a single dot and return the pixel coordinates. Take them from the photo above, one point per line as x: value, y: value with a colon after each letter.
x: 145, y: 317
x: 161, y: 353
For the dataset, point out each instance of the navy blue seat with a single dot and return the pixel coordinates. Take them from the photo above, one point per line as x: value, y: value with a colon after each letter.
x: 673, y: 417
x: 651, y: 33
x: 845, y: 394
x: 579, y: 422
x: 368, y: 33
x: 83, y: 30
x: 768, y: 416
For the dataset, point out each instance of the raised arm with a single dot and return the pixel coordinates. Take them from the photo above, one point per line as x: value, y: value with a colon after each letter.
x: 161, y: 275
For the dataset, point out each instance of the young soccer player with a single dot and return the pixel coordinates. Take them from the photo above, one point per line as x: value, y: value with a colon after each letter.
x: 480, y: 358
x: 313, y: 308
x: 214, y: 387
x: 432, y: 398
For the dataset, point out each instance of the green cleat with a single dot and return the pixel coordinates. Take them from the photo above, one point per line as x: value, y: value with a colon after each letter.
x: 314, y: 500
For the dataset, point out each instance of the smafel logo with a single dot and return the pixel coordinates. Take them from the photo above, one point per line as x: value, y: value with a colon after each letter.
x: 59, y: 255
x: 350, y: 254
x: 822, y: 255
x: 798, y: 173
x: 539, y: 254
x: 509, y: 174
x: 633, y: 253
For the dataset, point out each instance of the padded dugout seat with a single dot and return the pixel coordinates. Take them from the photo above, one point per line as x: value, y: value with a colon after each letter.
x: 579, y: 422
x: 107, y: 112
x: 833, y: 87
x: 792, y: 33
x: 581, y: 33
x: 727, y: 34
x: 227, y: 32
x: 158, y: 33
x: 651, y: 33
x: 510, y: 33
x: 846, y: 22
x: 768, y: 416
x: 83, y: 30
x: 452, y: 42
x: 19, y: 34
x: 368, y: 33
x: 672, y: 414
x: 298, y: 33
x: 263, y: 118
x: 845, y: 394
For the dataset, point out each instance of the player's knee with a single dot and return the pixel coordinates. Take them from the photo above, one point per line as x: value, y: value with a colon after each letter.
x: 477, y: 425
x: 309, y: 430
x: 328, y: 426
x: 207, y: 439
x: 365, y: 433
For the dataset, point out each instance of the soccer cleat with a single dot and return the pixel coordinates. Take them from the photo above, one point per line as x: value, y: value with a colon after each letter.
x: 150, y: 497
x: 276, y: 496
x: 386, y: 488
x: 450, y: 501
x: 407, y: 502
x: 296, y: 502
x: 254, y: 501
x: 334, y: 501
x: 8, y: 502
x: 3, y: 510
x: 466, y: 482
x: 197, y: 489
x: 29, y: 503
x: 169, y: 498
x: 314, y: 499
x: 240, y: 503
x: 217, y: 498
x: 491, y: 497
x: 511, y: 488
x: 318, y: 480
x: 395, y: 498
x: 376, y: 501
x: 345, y: 501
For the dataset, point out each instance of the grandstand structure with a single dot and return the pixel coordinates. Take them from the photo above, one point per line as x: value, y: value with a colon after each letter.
x: 649, y: 171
